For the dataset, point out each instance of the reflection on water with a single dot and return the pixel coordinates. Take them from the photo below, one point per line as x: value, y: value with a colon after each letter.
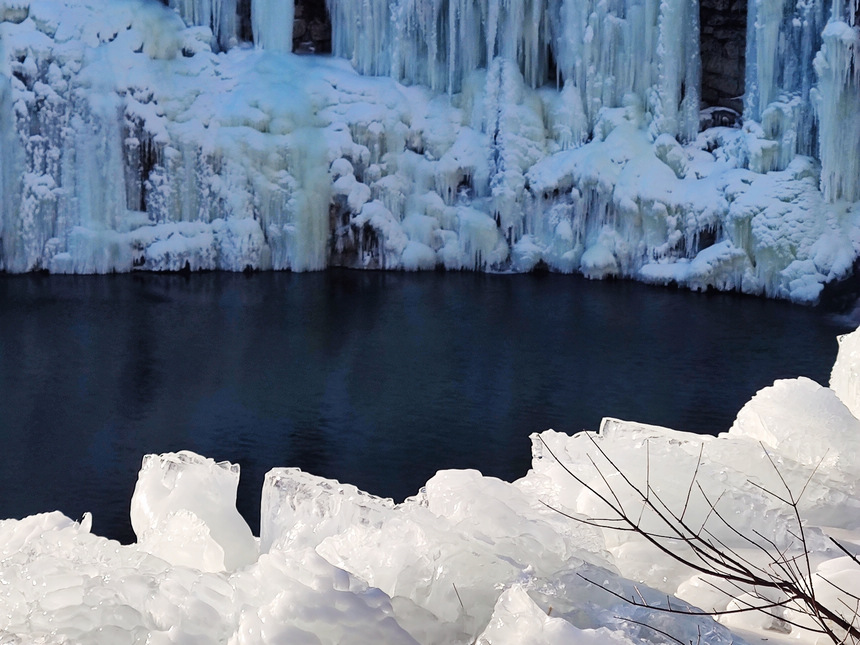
x: 379, y: 379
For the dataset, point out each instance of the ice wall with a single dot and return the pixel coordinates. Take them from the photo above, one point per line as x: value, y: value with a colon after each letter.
x: 801, y: 83
x: 11, y: 168
x: 497, y: 136
x: 72, y: 185
x: 272, y: 23
x: 605, y: 50
x: 219, y: 16
x: 837, y: 102
x: 114, y: 172
x: 782, y: 39
x: 609, y: 50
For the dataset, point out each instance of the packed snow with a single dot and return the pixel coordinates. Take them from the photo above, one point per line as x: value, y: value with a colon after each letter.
x: 470, y: 559
x: 480, y: 135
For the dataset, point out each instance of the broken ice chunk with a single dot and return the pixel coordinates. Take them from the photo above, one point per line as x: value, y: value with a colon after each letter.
x: 193, y: 499
x: 301, y: 510
x: 517, y: 619
x: 800, y: 418
x: 845, y: 376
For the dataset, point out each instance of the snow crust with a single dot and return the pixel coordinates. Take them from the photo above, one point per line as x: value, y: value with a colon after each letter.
x: 468, y: 559
x: 139, y: 136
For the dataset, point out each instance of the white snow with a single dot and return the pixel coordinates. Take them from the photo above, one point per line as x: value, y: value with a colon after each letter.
x: 468, y: 558
x: 138, y: 136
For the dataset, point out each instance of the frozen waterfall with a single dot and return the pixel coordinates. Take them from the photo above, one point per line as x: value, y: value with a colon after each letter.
x: 837, y: 101
x: 479, y: 134
x: 219, y: 16
x: 605, y: 50
x: 272, y: 23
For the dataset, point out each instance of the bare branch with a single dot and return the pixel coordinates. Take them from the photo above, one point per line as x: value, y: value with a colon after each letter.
x: 693, y: 480
x: 691, y: 611
x: 812, y: 474
x: 787, y: 502
x: 647, y: 480
x: 787, y: 572
x: 652, y: 628
x: 844, y: 550
x: 777, y: 471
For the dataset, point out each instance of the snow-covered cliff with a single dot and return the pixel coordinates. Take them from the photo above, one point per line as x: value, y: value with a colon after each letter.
x: 480, y: 135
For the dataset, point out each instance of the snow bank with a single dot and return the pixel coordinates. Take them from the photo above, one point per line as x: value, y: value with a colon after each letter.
x: 137, y: 136
x: 468, y: 558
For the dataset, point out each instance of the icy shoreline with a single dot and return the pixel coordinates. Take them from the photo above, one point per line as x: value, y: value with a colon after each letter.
x: 129, y: 143
x: 469, y: 558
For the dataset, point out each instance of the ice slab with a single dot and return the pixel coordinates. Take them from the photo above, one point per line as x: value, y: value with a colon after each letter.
x: 845, y: 376
x: 301, y: 510
x: 184, y: 510
x: 807, y: 421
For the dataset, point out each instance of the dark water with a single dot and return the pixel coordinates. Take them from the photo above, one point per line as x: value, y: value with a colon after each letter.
x: 378, y: 379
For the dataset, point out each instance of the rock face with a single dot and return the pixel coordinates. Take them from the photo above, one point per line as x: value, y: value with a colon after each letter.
x: 723, y: 42
x: 312, y: 27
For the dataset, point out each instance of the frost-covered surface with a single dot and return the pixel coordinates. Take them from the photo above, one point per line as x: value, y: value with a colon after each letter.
x: 137, y: 136
x: 469, y: 559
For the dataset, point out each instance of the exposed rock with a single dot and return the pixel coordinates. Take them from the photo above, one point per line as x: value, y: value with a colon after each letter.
x: 312, y: 27
x: 723, y: 44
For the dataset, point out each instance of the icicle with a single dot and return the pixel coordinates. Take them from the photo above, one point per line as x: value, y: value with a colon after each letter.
x: 565, y: 118
x: 677, y: 91
x: 781, y: 42
x: 609, y: 50
x: 837, y: 101
x: 99, y: 166
x: 493, y: 11
x: 11, y: 179
x: 308, y: 231
x: 362, y: 31
x: 439, y: 43
x: 219, y: 15
x: 272, y: 24
x: 688, y: 126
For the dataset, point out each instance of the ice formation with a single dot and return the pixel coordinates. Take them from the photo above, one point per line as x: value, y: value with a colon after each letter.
x: 468, y: 559
x: 601, y: 51
x: 218, y: 16
x: 484, y: 135
x: 272, y: 23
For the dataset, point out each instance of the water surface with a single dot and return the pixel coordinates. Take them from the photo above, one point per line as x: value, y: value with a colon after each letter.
x: 378, y: 379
